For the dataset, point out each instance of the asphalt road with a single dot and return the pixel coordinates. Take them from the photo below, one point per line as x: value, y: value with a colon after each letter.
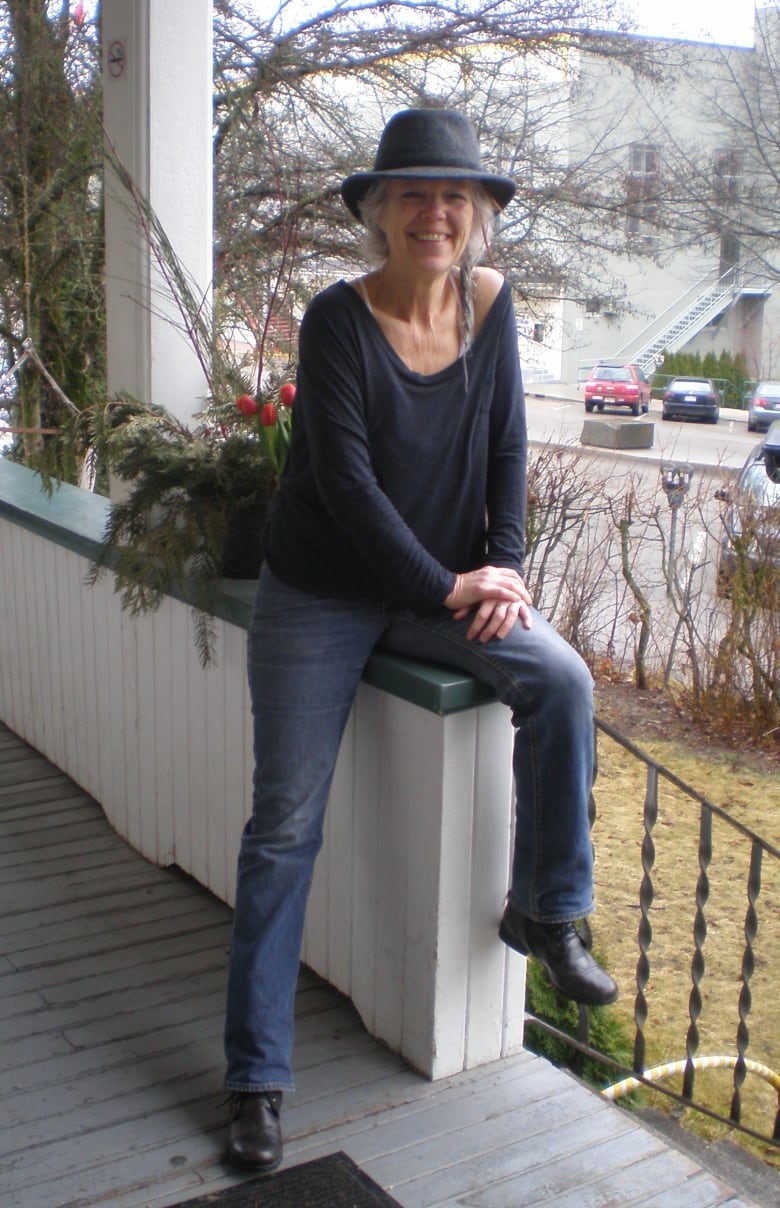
x: 556, y: 413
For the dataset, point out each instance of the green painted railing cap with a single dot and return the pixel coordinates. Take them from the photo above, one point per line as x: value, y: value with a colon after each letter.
x: 75, y: 519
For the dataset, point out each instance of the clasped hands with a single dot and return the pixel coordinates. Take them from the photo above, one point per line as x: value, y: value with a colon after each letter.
x: 498, y: 598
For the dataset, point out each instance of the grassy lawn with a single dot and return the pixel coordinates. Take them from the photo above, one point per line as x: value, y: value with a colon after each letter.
x: 746, y: 787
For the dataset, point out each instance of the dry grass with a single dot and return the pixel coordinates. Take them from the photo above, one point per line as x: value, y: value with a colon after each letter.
x: 747, y: 789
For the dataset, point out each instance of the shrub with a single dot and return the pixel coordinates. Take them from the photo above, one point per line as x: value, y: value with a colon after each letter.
x: 727, y: 370
x: 607, y: 1032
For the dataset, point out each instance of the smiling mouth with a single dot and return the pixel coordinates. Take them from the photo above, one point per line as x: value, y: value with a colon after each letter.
x: 432, y: 238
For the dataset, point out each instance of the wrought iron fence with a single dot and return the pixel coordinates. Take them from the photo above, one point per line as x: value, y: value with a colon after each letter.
x: 753, y: 859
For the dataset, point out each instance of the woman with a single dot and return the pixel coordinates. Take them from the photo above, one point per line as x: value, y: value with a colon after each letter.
x: 399, y: 520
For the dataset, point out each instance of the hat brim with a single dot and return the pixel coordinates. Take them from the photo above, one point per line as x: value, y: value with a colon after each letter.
x: 501, y: 188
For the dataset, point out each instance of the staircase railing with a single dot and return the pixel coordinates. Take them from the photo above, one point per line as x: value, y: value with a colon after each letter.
x: 743, y: 854
x: 690, y: 312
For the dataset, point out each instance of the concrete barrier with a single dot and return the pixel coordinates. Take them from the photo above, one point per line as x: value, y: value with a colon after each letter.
x: 617, y: 434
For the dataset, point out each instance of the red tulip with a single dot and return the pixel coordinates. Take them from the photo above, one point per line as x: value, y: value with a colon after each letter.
x: 268, y: 416
x: 247, y: 405
x: 287, y: 394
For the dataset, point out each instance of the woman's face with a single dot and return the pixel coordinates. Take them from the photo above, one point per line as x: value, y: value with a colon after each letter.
x: 427, y: 223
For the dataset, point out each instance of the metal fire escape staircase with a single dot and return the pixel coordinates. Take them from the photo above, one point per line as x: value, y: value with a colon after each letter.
x: 689, y: 314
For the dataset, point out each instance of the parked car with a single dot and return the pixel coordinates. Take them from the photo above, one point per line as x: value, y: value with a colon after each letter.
x: 751, y: 538
x: 691, y: 398
x: 764, y: 406
x: 612, y: 384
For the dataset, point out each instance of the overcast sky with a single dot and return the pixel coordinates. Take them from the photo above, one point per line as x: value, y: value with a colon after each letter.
x: 729, y: 22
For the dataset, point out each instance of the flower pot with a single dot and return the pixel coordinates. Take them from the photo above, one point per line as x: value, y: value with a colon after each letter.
x: 242, y: 547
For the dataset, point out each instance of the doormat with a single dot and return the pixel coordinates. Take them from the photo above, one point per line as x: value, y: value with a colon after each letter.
x: 331, y: 1182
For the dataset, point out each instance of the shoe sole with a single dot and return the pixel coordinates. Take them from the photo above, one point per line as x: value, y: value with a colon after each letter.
x: 261, y: 1168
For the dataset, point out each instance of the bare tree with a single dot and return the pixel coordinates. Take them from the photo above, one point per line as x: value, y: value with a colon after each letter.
x: 300, y: 105
x: 712, y: 116
x: 51, y: 251
x: 739, y: 194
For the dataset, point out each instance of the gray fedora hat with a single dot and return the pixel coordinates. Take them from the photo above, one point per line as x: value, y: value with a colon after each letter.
x: 428, y: 144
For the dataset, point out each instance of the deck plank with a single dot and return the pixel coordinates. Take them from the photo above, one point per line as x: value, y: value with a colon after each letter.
x: 557, y: 1130
x: 112, y: 981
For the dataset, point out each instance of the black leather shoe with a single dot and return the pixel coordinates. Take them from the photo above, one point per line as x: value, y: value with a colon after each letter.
x: 564, y: 955
x: 255, y: 1132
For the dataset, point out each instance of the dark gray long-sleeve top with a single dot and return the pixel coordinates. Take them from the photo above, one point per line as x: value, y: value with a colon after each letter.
x: 397, y: 480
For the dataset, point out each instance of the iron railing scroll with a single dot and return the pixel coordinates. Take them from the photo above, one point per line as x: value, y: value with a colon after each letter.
x: 738, y: 837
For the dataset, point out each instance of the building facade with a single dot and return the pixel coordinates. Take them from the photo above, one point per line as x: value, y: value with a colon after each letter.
x: 684, y: 138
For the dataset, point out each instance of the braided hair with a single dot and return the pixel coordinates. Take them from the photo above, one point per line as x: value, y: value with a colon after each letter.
x: 478, y: 244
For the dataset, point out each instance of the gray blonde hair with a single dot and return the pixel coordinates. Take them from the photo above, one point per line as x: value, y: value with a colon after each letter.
x: 485, y: 212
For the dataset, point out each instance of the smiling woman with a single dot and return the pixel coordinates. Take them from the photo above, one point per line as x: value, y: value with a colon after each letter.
x: 400, y: 521
x: 427, y: 222
x: 420, y: 232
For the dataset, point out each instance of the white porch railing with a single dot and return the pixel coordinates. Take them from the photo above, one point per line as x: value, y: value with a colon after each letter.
x: 409, y: 886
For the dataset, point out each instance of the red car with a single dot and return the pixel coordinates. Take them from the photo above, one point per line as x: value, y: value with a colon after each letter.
x: 611, y: 384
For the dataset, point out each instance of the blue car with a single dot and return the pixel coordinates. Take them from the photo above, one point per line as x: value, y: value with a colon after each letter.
x: 691, y: 398
x: 764, y: 406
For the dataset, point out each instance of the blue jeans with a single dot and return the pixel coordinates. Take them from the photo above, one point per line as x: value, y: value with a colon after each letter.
x: 306, y: 657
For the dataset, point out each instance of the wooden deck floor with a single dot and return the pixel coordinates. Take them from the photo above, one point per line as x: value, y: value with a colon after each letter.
x: 112, y: 978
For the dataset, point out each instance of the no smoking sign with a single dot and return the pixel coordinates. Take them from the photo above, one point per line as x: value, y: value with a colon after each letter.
x: 116, y: 59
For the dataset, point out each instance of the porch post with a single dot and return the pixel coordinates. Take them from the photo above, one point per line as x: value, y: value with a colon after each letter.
x: 157, y: 69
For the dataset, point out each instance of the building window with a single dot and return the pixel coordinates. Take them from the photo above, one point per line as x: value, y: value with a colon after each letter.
x: 643, y: 159
x: 730, y: 251
x: 642, y: 190
x: 727, y: 169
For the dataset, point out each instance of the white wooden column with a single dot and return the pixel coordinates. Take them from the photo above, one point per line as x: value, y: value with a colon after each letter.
x: 157, y: 67
x: 410, y: 884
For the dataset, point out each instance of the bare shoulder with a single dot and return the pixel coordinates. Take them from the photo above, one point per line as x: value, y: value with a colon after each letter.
x: 487, y: 286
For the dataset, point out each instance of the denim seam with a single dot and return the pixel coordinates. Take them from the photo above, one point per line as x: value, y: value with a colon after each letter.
x: 538, y: 838
x: 513, y: 682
